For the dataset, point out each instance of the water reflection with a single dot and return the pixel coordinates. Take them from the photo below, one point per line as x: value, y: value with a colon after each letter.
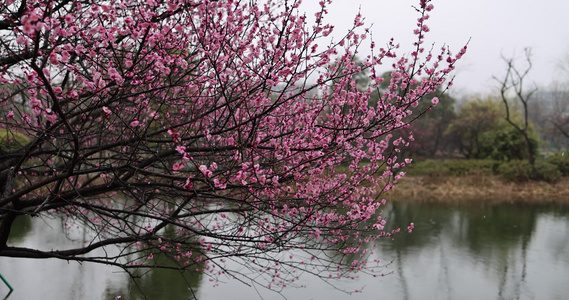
x: 476, y: 251
x: 20, y: 229
x: 479, y: 251
x: 158, y: 284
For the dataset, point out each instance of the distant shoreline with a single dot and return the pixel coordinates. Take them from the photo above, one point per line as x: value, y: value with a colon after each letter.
x: 469, y: 188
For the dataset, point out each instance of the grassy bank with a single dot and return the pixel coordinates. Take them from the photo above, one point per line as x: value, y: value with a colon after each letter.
x: 487, y: 180
x: 490, y: 188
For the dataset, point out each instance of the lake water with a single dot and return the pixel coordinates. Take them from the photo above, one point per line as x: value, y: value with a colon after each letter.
x: 474, y: 251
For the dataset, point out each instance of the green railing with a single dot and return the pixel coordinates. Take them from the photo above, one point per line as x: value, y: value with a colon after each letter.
x: 6, y: 282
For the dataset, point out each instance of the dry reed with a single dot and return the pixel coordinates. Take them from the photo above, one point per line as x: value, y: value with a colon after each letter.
x: 478, y: 188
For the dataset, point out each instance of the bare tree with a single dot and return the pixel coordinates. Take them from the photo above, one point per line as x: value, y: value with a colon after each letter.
x: 514, y: 81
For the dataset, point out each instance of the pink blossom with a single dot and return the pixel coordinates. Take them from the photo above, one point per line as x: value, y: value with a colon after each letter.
x: 435, y: 101
x: 115, y: 76
x: 107, y: 110
x: 218, y: 184
x: 188, y: 184
x: 181, y: 149
x: 36, y: 105
x: 22, y: 40
x: 410, y: 227
x: 51, y: 117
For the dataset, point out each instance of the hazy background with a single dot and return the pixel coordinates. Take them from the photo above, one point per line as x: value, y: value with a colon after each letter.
x: 494, y: 27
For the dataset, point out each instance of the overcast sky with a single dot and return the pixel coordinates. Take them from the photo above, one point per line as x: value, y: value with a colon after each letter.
x: 494, y: 27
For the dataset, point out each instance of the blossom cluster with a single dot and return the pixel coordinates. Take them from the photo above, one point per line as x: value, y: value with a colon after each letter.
x: 225, y: 120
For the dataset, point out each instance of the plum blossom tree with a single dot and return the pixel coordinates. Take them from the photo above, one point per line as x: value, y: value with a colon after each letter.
x: 188, y: 133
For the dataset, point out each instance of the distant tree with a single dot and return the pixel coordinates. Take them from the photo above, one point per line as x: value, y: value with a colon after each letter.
x: 550, y: 114
x: 514, y: 81
x: 562, y: 123
x: 473, y: 120
x: 482, y: 132
x: 181, y: 135
x: 429, y: 130
x: 559, y: 116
